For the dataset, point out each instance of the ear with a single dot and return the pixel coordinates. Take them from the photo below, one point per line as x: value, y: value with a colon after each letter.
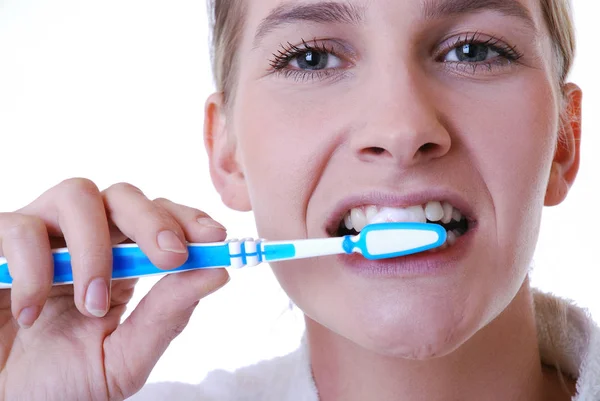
x: 566, y: 158
x: 226, y: 171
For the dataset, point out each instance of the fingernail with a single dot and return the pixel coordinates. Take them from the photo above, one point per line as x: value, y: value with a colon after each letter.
x: 168, y: 241
x: 210, y: 223
x: 27, y: 316
x: 96, y: 297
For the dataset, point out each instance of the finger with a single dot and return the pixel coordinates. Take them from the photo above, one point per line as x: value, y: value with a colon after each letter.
x: 155, y: 231
x: 75, y: 210
x: 24, y: 242
x: 196, y: 224
x: 134, y: 348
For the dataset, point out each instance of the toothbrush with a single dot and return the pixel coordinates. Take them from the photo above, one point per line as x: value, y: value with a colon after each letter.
x: 375, y: 241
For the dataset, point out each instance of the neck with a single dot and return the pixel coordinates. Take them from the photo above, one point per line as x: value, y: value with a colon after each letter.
x: 500, y: 362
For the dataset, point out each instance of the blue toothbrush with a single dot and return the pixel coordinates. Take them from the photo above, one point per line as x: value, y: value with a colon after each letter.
x: 375, y: 241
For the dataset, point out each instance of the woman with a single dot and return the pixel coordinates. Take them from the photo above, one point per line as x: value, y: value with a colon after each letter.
x: 330, y: 115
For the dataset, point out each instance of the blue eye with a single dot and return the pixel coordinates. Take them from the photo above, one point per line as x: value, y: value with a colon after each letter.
x: 312, y: 60
x: 306, y: 59
x: 476, y: 49
x: 315, y: 60
x: 471, y: 52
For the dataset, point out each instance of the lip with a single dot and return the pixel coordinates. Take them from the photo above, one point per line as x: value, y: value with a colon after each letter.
x: 424, y: 264
x: 387, y: 199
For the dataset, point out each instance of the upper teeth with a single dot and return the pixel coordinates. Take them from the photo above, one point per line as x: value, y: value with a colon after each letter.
x: 357, y: 218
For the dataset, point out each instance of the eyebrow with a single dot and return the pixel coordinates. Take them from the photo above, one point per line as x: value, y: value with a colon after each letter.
x: 346, y: 13
x: 435, y: 9
x: 322, y: 12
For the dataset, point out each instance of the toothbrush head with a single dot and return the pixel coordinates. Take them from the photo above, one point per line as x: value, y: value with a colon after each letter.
x: 392, y: 240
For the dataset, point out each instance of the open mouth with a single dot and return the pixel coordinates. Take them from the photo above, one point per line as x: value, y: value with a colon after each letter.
x: 442, y: 213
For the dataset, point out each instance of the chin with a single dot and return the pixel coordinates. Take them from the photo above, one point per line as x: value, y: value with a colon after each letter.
x: 426, y: 344
x: 413, y: 333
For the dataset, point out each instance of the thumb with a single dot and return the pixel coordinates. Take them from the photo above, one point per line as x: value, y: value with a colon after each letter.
x: 131, y: 352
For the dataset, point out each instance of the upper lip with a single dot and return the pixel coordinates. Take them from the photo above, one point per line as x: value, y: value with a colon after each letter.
x: 391, y: 199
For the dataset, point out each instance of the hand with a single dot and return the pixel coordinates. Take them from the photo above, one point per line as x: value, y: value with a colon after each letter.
x: 66, y: 342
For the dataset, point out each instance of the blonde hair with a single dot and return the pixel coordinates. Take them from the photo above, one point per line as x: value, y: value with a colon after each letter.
x: 227, y: 24
x: 559, y: 20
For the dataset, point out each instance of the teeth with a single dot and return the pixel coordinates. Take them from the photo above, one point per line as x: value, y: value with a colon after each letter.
x: 418, y: 214
x: 456, y: 215
x: 447, y: 212
x: 414, y: 214
x: 359, y: 220
x: 434, y: 211
x: 348, y: 221
x: 451, y: 238
x: 371, y: 212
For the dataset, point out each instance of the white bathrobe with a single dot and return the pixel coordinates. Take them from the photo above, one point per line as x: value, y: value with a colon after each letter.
x: 576, y: 348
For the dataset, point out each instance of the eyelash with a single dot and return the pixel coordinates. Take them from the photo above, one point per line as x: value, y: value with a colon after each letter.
x: 288, y: 52
x: 506, y: 55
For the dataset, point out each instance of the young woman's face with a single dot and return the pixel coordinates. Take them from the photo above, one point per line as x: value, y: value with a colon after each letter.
x: 345, y: 105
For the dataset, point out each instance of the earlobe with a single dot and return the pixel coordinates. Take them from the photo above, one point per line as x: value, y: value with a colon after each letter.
x: 225, y: 169
x: 565, y: 164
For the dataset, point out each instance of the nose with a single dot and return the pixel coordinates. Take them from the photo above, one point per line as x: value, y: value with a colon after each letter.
x: 401, y: 122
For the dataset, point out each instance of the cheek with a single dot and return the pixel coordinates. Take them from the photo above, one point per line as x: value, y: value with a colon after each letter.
x: 282, y: 148
x: 514, y: 154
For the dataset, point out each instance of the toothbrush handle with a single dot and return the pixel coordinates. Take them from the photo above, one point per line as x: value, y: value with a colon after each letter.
x: 129, y: 261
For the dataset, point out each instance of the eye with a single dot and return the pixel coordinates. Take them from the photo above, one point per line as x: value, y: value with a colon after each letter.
x: 308, y: 60
x: 476, y: 49
x: 472, y: 53
x: 315, y: 60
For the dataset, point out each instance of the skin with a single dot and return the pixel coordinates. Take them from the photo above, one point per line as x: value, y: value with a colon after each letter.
x: 466, y: 334
x: 395, y: 119
x: 100, y: 359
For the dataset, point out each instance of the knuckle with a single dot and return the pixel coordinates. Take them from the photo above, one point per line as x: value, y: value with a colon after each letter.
x: 175, y: 330
x: 164, y: 202
x: 181, y: 210
x: 95, y: 257
x: 21, y: 226
x: 199, y: 214
x: 121, y: 187
x: 74, y: 188
x: 30, y: 288
x: 164, y: 218
x: 174, y: 324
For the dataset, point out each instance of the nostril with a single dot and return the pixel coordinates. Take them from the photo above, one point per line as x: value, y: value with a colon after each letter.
x: 373, y: 153
x: 428, y: 147
x: 375, y: 150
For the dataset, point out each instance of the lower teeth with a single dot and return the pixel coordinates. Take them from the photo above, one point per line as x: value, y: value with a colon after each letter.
x: 451, y: 237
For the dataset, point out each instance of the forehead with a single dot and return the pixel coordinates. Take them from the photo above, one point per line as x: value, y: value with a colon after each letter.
x: 258, y: 7
x: 265, y: 16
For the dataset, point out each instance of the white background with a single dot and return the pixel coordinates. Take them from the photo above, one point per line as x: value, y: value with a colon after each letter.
x: 114, y: 91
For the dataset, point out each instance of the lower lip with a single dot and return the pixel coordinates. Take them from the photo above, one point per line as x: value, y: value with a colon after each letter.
x: 419, y: 264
